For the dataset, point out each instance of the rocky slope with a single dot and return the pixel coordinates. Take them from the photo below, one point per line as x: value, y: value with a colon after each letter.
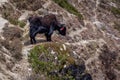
x: 93, y: 39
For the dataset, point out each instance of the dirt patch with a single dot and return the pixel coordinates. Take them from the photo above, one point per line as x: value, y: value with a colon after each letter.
x: 108, y: 59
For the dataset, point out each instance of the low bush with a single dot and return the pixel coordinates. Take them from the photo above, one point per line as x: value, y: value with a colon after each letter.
x: 55, y: 62
x: 22, y: 24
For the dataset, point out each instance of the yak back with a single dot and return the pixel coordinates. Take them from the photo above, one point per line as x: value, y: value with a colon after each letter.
x: 36, y: 20
x: 49, y: 19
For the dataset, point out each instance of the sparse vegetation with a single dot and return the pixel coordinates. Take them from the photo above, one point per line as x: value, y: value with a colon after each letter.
x: 22, y: 24
x: 10, y: 14
x: 117, y: 26
x: 13, y: 21
x: 115, y: 11
x: 66, y: 5
x: 16, y: 22
x: 56, y: 63
x: 49, y: 59
x: 23, y: 4
x: 12, y: 42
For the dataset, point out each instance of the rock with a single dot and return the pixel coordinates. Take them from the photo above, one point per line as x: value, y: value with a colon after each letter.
x: 24, y: 16
x: 3, y: 22
x: 2, y: 2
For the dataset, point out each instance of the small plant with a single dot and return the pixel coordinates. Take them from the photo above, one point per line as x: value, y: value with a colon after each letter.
x: 13, y: 21
x: 115, y: 11
x: 117, y: 26
x: 66, y: 5
x: 21, y: 24
x: 16, y: 22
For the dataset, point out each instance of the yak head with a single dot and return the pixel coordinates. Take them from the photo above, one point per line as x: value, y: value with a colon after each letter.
x: 62, y: 29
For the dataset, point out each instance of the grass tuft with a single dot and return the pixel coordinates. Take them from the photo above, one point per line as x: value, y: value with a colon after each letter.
x: 115, y: 11
x: 70, y: 8
x: 21, y: 24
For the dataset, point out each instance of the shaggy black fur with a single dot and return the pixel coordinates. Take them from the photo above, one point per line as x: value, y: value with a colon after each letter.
x: 47, y: 25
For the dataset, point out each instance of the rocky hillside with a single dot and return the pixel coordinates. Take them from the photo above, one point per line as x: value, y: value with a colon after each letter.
x: 89, y: 51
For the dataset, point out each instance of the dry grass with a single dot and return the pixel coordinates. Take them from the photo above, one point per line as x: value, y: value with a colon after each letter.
x: 27, y: 4
x: 13, y: 42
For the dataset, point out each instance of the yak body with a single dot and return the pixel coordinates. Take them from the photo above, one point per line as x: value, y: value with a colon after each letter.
x: 47, y: 25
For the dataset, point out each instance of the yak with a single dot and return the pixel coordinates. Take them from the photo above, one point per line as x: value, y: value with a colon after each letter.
x: 47, y: 25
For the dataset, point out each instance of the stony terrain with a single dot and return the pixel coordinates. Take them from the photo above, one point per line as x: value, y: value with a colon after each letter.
x: 93, y: 36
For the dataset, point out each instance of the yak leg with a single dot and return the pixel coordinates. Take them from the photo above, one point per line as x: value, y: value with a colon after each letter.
x: 49, y: 34
x: 32, y: 39
x: 48, y: 37
x: 51, y: 30
x: 36, y: 32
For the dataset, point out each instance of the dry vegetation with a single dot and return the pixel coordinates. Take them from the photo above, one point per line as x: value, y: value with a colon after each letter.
x: 12, y: 41
x: 27, y: 4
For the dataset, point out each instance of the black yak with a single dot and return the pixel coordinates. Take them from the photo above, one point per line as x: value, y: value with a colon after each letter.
x: 47, y: 25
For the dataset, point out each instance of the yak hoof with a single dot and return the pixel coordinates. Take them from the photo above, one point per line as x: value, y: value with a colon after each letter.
x: 49, y: 40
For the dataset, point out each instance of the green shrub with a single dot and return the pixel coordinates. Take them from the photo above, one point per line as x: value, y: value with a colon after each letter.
x: 13, y: 21
x: 64, y: 4
x: 43, y: 61
x: 115, y: 11
x: 16, y: 22
x: 21, y: 24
